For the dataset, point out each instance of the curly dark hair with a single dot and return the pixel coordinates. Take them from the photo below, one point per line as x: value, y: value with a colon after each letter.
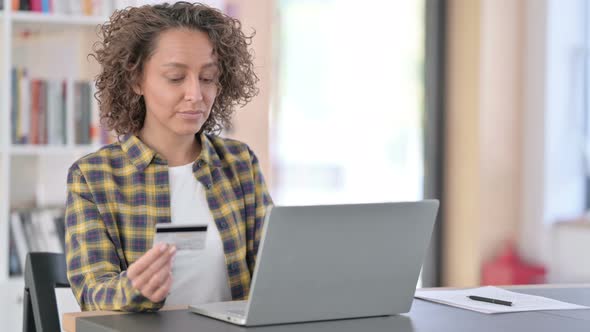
x: 128, y: 40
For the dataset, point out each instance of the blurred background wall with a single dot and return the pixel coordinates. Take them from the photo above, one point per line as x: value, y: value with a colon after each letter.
x: 483, y: 104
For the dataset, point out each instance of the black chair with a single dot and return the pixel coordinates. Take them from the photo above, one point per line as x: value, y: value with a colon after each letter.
x: 43, y: 273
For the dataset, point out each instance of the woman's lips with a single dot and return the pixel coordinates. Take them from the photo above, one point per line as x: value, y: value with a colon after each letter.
x: 191, y: 115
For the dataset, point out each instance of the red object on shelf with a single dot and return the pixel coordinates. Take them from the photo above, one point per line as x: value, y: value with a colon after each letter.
x: 508, y: 269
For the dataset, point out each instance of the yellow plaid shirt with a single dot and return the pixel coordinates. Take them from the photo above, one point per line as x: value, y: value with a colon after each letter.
x: 118, y: 194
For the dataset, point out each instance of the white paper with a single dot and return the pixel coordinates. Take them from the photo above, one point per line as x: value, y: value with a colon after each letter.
x: 520, y: 302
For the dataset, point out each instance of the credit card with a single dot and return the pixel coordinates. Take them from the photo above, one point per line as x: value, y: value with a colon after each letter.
x: 184, y: 237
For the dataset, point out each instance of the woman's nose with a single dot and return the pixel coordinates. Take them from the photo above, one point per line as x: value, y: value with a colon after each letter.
x: 193, y: 90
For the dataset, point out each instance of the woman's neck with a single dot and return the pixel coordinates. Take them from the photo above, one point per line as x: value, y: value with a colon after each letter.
x: 177, y: 150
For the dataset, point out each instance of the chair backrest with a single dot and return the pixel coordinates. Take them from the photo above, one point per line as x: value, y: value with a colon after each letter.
x: 43, y: 273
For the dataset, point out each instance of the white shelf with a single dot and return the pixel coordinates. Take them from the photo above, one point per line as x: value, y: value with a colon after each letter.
x: 37, y: 174
x: 57, y: 19
x: 49, y: 150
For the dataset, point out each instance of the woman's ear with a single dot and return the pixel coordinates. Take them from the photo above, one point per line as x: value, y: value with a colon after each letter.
x: 136, y: 85
x: 137, y: 89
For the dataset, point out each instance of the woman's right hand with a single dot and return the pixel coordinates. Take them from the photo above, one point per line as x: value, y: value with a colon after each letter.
x: 151, y: 274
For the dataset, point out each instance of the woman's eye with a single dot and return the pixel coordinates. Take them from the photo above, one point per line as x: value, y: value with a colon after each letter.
x: 207, y: 80
x: 176, y: 79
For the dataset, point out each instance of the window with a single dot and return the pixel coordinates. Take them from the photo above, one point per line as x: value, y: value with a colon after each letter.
x: 348, y: 120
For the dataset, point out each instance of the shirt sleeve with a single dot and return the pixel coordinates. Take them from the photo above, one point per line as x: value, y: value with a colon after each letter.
x: 258, y: 200
x: 93, y: 264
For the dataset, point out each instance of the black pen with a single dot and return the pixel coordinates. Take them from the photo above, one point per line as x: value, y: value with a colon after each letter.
x: 490, y: 300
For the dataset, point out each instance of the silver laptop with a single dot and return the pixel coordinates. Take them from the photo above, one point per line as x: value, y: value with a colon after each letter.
x: 333, y: 262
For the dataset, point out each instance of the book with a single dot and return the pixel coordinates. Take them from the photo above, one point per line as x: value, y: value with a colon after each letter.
x: 24, y: 5
x: 35, y: 6
x: 42, y: 99
x: 95, y: 130
x: 48, y: 230
x: 20, y: 240
x: 60, y: 229
x: 56, y: 118
x: 14, y: 106
x: 46, y: 5
x: 36, y: 229
x: 14, y: 263
x: 24, y: 110
x: 38, y: 112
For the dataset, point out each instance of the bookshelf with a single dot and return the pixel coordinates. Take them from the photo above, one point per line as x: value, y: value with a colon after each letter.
x: 39, y: 171
x: 32, y: 19
x: 48, y: 150
x: 48, y: 47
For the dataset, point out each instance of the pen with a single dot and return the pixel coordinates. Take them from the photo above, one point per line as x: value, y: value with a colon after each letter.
x: 490, y: 300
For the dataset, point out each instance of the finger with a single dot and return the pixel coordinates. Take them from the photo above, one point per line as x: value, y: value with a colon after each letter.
x: 142, y: 279
x: 148, y: 289
x: 146, y: 260
x: 158, y: 279
x: 162, y: 292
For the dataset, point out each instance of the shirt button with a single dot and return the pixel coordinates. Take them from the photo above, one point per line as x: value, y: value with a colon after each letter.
x: 200, y: 163
x: 209, y: 186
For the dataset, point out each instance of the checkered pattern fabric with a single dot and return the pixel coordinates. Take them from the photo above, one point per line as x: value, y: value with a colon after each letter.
x: 118, y: 194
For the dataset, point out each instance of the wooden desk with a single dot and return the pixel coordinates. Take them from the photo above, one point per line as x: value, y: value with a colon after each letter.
x: 69, y: 319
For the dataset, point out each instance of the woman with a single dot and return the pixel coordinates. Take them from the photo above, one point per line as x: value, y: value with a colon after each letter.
x: 171, y: 76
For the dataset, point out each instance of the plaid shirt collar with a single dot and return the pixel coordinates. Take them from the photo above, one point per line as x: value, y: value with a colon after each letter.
x: 142, y: 155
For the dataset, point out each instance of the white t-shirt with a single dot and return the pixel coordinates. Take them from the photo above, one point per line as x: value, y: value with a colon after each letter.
x: 198, y: 276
